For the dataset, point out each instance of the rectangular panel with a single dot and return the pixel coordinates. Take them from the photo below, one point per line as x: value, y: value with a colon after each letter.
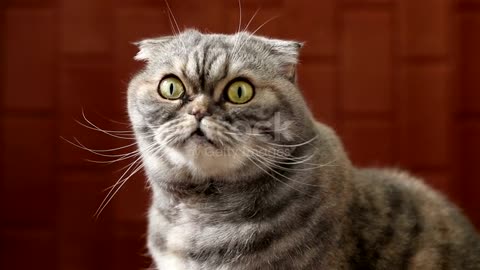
x: 254, y: 4
x: 29, y: 3
x: 366, y: 3
x: 86, y: 81
x: 210, y: 18
x: 30, y: 59
x: 85, y: 26
x: 368, y: 142
x: 86, y: 84
x: 129, y: 249
x: 440, y: 180
x: 469, y: 144
x: 426, y: 26
x: 366, y: 62
x: 428, y: 109
x: 76, y: 210
x: 470, y: 63
x: 3, y: 56
x: 27, y: 249
x: 317, y: 83
x: 27, y: 192
x: 265, y: 22
x: 131, y: 202
x: 131, y: 25
x: 312, y: 22
x: 85, y: 241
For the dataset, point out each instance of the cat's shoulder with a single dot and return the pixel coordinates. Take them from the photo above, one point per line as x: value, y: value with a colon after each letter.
x: 390, y: 176
x: 412, y: 187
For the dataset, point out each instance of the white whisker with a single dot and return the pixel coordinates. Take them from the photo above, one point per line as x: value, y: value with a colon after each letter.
x: 255, y: 31
x: 124, y: 178
x: 295, y: 145
x: 273, y: 176
x: 251, y: 19
x: 107, y: 201
x: 176, y: 24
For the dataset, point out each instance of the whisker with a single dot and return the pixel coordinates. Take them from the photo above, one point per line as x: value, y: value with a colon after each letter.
x: 109, y: 150
x: 172, y: 27
x: 122, y: 180
x: 111, y: 133
x: 272, y: 152
x: 237, y: 40
x: 274, y: 177
x: 295, y: 145
x: 93, y: 125
x: 147, y: 150
x: 105, y: 203
x: 78, y: 144
x: 263, y: 162
x: 126, y: 168
x: 151, y: 149
x: 240, y: 15
x: 113, y: 120
x: 275, y: 163
x: 255, y: 31
x: 251, y: 19
x: 176, y: 24
x: 237, y: 132
x: 277, y: 159
x: 237, y: 37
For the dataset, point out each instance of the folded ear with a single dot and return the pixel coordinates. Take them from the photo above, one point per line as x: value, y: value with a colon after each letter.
x: 148, y: 47
x: 288, y: 53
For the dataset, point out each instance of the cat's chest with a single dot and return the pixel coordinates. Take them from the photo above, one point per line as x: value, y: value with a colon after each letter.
x: 178, y: 243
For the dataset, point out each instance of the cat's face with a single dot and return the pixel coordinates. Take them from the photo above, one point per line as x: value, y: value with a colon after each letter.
x: 214, y: 105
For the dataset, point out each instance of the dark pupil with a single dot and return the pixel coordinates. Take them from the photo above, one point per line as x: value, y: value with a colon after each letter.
x: 171, y: 89
x: 239, y: 91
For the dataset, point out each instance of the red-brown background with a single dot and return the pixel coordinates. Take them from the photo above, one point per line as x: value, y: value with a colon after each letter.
x: 397, y: 79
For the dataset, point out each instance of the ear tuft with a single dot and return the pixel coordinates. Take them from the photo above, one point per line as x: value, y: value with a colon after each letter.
x: 288, y: 53
x: 147, y: 47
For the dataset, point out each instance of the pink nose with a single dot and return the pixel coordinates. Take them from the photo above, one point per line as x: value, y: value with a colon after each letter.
x: 199, y: 112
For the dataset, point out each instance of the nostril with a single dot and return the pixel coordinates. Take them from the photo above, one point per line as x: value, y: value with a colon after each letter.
x: 199, y: 114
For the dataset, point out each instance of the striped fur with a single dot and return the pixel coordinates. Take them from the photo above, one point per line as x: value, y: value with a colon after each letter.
x: 272, y: 188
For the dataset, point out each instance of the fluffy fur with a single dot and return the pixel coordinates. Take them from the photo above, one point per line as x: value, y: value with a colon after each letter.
x: 265, y: 186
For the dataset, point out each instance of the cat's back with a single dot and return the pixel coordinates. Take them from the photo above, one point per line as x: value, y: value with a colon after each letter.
x: 400, y: 223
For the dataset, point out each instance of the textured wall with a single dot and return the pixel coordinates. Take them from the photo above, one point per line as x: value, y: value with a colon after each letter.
x: 397, y: 78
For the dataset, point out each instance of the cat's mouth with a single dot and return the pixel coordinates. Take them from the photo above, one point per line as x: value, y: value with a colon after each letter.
x: 200, y: 137
x: 198, y: 132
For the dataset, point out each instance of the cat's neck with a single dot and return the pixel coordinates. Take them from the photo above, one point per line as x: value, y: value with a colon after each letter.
x: 190, y: 192
x: 183, y: 190
x: 223, y: 200
x: 324, y: 175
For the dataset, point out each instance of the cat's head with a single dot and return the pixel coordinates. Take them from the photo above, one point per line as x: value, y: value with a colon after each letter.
x: 217, y: 105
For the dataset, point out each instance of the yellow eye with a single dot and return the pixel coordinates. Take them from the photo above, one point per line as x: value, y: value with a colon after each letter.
x: 171, y: 88
x: 240, y: 92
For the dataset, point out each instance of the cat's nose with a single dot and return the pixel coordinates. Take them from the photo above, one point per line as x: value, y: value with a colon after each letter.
x: 199, y: 112
x: 199, y: 107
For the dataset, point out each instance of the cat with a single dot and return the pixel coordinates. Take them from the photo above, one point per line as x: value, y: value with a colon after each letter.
x: 243, y: 177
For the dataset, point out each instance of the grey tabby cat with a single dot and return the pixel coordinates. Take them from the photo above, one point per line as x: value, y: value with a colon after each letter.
x: 243, y: 177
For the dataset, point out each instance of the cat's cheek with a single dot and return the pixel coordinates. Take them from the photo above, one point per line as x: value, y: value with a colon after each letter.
x: 175, y: 157
x: 153, y: 164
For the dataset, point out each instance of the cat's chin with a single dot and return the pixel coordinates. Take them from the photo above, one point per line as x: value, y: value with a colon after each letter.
x: 204, y: 159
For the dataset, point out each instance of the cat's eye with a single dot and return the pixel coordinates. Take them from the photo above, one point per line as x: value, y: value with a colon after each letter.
x: 171, y: 88
x: 240, y: 92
